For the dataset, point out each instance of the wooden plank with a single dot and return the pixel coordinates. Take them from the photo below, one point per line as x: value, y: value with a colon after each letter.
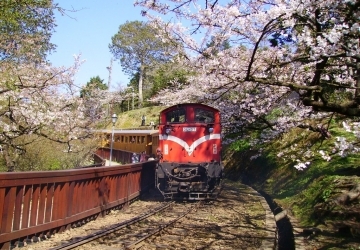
x: 84, y: 191
x: 65, y: 199
x: 34, y: 204
x: 8, y: 210
x: 106, y: 190
x: 81, y: 194
x: 49, y: 201
x: 70, y: 199
x: 57, y: 202
x: 2, y: 205
x: 112, y: 191
x: 26, y: 206
x: 95, y: 189
x: 18, y: 207
x: 93, y: 200
x: 75, y: 206
x: 123, y: 186
x: 62, y: 204
x: 42, y: 204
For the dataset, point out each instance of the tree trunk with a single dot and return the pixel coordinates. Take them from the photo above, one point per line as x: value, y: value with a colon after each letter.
x: 9, y: 158
x: 142, y: 69
x: 357, y: 91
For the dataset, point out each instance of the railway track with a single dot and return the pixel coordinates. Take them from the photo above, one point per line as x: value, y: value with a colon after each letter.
x: 132, y: 233
x: 235, y: 220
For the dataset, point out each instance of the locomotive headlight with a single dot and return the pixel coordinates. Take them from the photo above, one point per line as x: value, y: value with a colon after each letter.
x: 168, y: 131
x: 211, y: 130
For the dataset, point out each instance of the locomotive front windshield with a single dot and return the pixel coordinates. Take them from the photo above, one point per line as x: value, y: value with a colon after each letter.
x: 204, y: 116
x: 176, y: 115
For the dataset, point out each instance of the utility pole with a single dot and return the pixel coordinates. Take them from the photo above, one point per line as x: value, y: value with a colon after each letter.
x: 110, y: 69
x: 132, y: 98
x: 109, y: 81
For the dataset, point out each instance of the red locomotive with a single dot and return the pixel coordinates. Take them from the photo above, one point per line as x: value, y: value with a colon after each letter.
x: 189, y: 152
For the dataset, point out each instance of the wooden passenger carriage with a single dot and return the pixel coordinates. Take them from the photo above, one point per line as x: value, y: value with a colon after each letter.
x: 130, y: 140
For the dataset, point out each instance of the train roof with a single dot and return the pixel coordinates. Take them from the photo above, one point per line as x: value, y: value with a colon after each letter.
x: 187, y: 104
x: 129, y: 131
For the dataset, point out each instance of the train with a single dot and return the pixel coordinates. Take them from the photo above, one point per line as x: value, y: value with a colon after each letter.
x: 187, y: 147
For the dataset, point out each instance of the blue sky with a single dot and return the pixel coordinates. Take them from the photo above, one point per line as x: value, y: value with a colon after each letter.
x: 88, y: 32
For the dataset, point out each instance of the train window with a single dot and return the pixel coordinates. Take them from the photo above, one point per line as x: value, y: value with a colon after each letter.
x: 204, y: 116
x: 176, y: 115
x: 142, y: 139
x: 122, y: 138
x: 126, y: 139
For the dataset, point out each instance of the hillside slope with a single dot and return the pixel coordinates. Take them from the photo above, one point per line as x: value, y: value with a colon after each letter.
x: 132, y: 118
x: 324, y: 198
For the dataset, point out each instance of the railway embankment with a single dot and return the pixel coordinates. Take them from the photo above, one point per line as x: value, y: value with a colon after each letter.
x: 317, y: 208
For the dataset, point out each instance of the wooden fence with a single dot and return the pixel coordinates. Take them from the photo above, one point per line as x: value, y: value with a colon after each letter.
x: 38, y: 204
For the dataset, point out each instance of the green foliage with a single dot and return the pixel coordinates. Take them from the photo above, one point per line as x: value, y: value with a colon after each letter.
x: 94, y: 84
x: 240, y: 145
x: 162, y: 76
x: 26, y: 27
x: 136, y: 45
x: 134, y: 82
x: 54, y: 164
x: 326, y: 194
x: 302, y: 190
x: 138, y: 48
x: 216, y: 48
x: 132, y: 118
x: 276, y: 112
x: 43, y: 154
x: 298, y: 191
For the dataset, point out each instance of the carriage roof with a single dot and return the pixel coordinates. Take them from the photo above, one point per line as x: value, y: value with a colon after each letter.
x: 129, y: 131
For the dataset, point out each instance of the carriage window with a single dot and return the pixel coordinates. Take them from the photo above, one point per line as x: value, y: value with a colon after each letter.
x: 204, y: 116
x: 176, y: 115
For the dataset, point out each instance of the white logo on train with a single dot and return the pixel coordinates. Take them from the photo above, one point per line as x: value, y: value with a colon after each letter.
x: 189, y: 149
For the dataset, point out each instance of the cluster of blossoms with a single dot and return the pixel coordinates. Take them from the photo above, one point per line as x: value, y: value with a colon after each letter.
x: 343, y: 146
x: 43, y: 100
x: 302, y: 165
x: 288, y: 61
x: 324, y: 155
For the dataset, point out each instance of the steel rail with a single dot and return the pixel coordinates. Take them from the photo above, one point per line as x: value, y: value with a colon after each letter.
x: 139, y: 243
x: 111, y: 229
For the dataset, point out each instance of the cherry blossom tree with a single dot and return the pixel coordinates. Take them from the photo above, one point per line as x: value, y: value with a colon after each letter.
x: 290, y: 61
x: 37, y: 99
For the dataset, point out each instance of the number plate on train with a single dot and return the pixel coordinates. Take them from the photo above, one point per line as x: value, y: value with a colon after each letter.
x: 189, y: 129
